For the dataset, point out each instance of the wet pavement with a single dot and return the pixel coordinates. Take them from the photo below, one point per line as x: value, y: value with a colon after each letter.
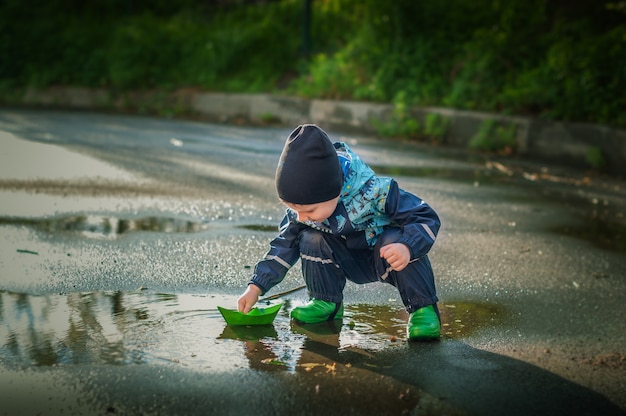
x: 120, y: 236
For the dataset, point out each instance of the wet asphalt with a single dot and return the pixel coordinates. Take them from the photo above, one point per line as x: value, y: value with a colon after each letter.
x: 120, y: 236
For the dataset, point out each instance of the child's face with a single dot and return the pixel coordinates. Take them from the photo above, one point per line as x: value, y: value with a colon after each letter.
x: 314, y: 212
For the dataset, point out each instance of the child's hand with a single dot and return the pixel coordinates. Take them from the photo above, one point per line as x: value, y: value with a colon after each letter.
x: 397, y: 255
x: 247, y: 300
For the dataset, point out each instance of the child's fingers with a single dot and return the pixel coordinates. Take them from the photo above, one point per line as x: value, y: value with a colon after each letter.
x: 387, y: 252
x: 396, y: 258
x: 243, y: 305
x: 246, y: 308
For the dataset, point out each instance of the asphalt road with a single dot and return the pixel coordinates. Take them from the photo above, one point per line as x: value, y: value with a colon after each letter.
x: 120, y: 236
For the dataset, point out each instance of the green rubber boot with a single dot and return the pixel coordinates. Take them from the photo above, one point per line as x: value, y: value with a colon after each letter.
x: 317, y: 311
x: 423, y: 324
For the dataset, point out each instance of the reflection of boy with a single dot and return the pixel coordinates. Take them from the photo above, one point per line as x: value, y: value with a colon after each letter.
x: 319, y: 348
x: 343, y: 221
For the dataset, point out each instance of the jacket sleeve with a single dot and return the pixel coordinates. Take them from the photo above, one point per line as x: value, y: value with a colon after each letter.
x: 282, y: 255
x: 419, y: 222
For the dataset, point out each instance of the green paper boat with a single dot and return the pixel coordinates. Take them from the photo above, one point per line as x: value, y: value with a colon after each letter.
x: 257, y: 316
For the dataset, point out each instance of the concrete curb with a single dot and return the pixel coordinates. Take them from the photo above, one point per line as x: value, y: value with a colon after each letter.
x: 559, y: 142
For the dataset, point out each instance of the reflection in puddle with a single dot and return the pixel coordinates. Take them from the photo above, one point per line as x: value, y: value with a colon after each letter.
x: 604, y: 234
x: 108, y: 227
x: 484, y: 174
x: 109, y: 328
x: 602, y: 223
x: 124, y: 328
x: 460, y: 319
x: 95, y: 226
x: 264, y: 228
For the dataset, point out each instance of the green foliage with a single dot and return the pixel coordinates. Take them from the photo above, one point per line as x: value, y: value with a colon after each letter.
x: 401, y: 124
x: 559, y: 60
x: 436, y: 127
x: 331, y: 78
x: 269, y: 118
x: 494, y: 137
x: 595, y: 158
x: 156, y: 47
x: 141, y: 53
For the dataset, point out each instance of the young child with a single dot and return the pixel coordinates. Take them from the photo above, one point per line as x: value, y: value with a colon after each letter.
x: 344, y: 222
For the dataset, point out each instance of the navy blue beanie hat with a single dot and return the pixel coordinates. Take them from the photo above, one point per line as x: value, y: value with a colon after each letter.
x: 308, y: 171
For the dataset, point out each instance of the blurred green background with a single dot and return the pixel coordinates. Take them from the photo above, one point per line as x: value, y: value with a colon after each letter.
x: 557, y: 59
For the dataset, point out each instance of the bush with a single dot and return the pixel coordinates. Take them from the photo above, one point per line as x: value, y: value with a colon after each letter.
x: 559, y: 60
x: 436, y: 127
x: 402, y: 124
x: 495, y: 137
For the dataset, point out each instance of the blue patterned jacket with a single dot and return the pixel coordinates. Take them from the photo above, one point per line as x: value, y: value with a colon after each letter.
x: 367, y: 206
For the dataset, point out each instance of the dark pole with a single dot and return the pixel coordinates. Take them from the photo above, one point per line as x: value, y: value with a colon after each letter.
x: 306, y: 29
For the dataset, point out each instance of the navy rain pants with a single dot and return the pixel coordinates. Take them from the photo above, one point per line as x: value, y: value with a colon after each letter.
x: 327, y: 262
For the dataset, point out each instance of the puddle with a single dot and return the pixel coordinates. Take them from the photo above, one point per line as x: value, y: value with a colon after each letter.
x: 482, y: 175
x: 607, y: 235
x: 108, y: 227
x: 124, y: 328
x: 263, y: 228
x: 95, y: 226
x: 460, y: 319
x: 602, y: 222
